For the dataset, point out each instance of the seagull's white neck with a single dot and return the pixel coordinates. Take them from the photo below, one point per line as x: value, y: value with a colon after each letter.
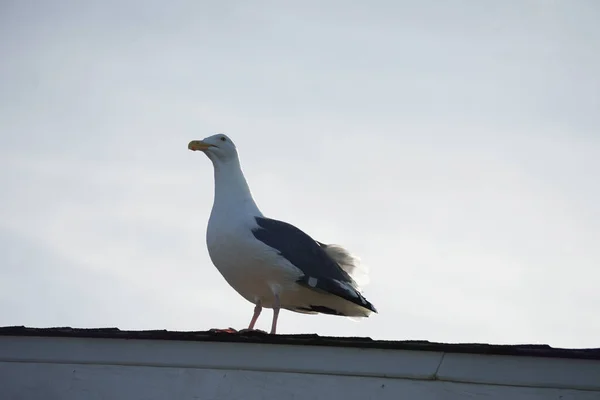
x: 232, y: 194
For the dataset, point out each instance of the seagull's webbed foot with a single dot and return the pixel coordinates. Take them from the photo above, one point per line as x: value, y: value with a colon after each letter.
x: 248, y: 330
x: 226, y: 330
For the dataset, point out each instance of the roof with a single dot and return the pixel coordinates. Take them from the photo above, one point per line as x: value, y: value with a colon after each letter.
x: 530, y: 350
x: 98, y: 359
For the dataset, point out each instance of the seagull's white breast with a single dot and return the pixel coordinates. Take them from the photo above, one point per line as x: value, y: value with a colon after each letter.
x: 255, y: 270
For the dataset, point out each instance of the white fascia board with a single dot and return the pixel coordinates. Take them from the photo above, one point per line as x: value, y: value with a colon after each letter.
x: 33, y: 381
x: 540, y: 372
x: 218, y: 355
x: 521, y: 371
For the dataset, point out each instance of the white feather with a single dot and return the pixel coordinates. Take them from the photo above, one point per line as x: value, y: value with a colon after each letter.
x: 349, y: 263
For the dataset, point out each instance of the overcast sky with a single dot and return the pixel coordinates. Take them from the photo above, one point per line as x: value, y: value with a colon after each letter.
x: 454, y: 146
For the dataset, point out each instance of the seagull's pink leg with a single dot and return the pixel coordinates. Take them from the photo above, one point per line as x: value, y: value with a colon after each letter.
x: 257, y: 310
x: 275, y: 315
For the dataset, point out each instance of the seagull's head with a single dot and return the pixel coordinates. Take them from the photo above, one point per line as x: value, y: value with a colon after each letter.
x: 219, y: 148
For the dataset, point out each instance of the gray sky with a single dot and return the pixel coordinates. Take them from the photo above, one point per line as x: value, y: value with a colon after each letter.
x: 454, y: 146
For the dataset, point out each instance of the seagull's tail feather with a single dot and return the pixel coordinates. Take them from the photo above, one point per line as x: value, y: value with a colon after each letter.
x: 349, y: 263
x: 342, y: 297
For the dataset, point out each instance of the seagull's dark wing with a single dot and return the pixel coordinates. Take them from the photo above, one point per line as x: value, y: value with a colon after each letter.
x: 320, y: 271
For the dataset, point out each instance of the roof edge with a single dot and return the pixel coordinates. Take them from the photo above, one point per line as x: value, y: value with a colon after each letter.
x: 522, y: 350
x: 287, y: 357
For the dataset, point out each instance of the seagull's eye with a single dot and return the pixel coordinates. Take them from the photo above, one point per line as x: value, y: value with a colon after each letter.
x: 223, y: 139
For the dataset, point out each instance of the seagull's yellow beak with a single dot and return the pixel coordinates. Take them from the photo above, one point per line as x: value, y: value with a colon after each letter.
x: 198, y: 145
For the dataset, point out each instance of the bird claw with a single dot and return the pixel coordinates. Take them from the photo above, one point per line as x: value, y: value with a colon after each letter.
x: 252, y: 331
x: 227, y: 330
x: 241, y: 331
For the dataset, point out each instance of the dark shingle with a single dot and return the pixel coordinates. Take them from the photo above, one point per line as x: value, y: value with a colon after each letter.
x: 307, y: 340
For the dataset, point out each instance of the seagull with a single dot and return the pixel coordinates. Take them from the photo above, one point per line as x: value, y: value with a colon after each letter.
x: 272, y: 263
